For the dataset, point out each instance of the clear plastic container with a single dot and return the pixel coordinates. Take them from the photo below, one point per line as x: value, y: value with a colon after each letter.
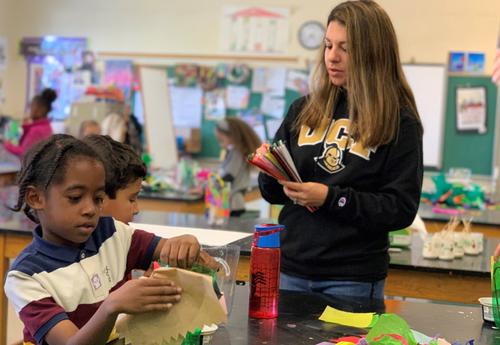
x: 228, y: 256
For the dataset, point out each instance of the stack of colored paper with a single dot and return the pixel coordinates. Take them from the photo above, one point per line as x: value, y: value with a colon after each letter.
x: 276, y: 161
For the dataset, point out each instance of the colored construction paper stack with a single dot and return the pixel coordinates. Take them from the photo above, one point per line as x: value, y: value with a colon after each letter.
x: 276, y: 161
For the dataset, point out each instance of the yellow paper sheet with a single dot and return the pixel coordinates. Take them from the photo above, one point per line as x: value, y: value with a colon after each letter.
x: 198, y: 307
x: 358, y: 320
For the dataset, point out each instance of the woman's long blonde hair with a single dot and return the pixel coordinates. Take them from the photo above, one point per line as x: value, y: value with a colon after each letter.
x: 377, y: 89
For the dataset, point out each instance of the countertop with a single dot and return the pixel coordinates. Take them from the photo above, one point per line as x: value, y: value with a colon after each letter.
x: 484, y: 217
x: 410, y: 259
x: 298, y: 322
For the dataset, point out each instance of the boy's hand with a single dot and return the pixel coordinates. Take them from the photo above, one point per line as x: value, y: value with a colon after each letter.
x: 181, y: 251
x: 143, y: 295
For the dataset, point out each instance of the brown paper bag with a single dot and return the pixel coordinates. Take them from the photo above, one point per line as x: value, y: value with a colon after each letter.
x: 198, y: 306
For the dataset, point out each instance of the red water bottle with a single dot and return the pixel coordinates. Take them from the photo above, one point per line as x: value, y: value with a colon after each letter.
x: 265, y: 271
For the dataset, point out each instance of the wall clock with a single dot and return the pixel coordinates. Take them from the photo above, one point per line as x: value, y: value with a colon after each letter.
x: 311, y: 33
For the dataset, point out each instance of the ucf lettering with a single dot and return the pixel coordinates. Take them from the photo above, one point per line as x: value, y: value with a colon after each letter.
x: 335, y: 145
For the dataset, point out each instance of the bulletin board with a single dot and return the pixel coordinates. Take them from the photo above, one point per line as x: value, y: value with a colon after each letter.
x: 469, y: 149
x: 209, y: 144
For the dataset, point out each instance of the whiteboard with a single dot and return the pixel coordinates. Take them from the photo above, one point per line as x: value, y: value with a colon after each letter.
x: 428, y: 83
x: 158, y: 124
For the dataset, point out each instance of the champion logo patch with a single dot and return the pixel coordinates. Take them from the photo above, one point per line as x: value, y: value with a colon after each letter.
x: 342, y: 201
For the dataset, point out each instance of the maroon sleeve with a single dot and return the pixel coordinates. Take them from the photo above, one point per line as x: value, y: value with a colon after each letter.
x: 141, y: 250
x: 40, y: 316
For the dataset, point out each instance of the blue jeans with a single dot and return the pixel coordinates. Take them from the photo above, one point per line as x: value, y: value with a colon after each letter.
x: 373, y: 290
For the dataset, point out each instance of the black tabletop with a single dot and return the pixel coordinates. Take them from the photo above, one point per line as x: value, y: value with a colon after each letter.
x: 190, y: 196
x: 171, y: 196
x: 409, y: 258
x: 298, y: 322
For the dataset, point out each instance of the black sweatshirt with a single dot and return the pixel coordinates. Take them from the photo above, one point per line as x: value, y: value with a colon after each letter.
x: 370, y: 192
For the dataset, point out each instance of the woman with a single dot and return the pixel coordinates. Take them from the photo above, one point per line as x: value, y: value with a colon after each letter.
x: 356, y: 140
x: 38, y: 126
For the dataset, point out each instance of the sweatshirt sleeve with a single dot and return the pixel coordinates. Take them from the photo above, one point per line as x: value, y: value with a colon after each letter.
x: 14, y: 149
x: 270, y: 189
x: 31, y: 138
x: 395, y: 203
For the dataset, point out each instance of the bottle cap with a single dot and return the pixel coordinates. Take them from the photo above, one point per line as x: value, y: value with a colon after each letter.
x: 267, y: 235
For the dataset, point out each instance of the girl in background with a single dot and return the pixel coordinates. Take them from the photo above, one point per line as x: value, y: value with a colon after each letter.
x: 37, y: 127
x: 239, y: 140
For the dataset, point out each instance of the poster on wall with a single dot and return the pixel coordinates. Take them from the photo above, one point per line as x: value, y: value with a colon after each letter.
x: 119, y: 73
x: 237, y: 97
x: 214, y: 105
x: 186, y: 106
x: 254, y: 29
x: 3, y: 53
x: 471, y: 109
x: 476, y: 62
x: 297, y: 81
x: 56, y: 62
x: 456, y: 61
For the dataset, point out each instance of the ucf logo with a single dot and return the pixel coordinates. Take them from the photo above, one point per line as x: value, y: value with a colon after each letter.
x: 333, y: 138
x: 331, y: 160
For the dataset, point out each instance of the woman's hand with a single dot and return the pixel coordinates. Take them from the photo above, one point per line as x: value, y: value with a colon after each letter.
x: 143, y: 295
x: 181, y: 251
x: 306, y: 194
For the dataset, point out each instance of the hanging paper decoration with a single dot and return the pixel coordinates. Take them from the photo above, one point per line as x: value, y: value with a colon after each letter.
x: 186, y: 75
x: 238, y: 74
x: 207, y: 78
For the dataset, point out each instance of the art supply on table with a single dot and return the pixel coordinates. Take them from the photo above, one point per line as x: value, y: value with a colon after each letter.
x: 495, y: 290
x: 198, y: 306
x: 276, y: 161
x: 207, y: 333
x: 449, y: 244
x: 432, y: 246
x: 384, y: 329
x: 446, y: 251
x: 340, y: 317
x: 192, y: 338
x: 472, y: 241
x: 400, y: 238
x: 217, y: 199
x: 265, y: 271
x: 487, y: 309
x: 455, y: 193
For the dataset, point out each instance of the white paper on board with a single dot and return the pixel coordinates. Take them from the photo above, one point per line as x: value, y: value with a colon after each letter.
x: 205, y: 236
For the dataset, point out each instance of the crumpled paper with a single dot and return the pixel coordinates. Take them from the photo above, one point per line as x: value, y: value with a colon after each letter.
x: 198, y: 306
